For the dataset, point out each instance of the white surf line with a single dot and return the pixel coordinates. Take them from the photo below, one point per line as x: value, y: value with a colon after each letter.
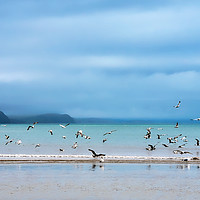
x: 46, y: 156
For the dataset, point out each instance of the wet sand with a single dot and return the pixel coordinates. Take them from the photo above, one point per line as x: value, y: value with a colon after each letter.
x: 31, y: 158
x: 100, y: 181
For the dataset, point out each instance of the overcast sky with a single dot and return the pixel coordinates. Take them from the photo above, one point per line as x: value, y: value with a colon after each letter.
x: 100, y: 58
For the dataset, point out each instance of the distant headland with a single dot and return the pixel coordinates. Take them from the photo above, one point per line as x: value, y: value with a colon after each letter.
x: 66, y: 118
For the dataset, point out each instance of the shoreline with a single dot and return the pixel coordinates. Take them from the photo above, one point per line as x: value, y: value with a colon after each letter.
x: 45, y: 158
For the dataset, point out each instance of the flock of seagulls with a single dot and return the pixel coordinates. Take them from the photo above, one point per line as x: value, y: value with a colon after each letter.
x: 147, y: 136
x: 74, y: 146
x: 171, y: 140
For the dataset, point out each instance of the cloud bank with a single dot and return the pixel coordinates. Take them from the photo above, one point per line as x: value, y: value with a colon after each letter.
x: 118, y: 59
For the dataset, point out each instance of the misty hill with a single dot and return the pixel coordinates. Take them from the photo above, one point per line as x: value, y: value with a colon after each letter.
x: 44, y: 118
x: 131, y: 121
x: 3, y: 118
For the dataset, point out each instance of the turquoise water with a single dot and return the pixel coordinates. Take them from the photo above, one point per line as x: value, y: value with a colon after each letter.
x: 127, y: 140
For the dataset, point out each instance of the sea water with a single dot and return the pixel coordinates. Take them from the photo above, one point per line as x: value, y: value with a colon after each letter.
x: 126, y: 140
x: 100, y: 181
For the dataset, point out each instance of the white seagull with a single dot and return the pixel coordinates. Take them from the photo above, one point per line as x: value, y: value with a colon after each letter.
x: 30, y: 127
x: 109, y: 132
x: 50, y: 131
x: 64, y: 126
x: 176, y: 125
x: 197, y: 119
x: 37, y: 145
x: 18, y: 142
x: 178, y: 105
x: 75, y: 145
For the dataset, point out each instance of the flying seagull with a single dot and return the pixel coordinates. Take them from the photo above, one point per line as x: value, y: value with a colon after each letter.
x: 197, y: 144
x: 176, y: 125
x: 104, y: 140
x: 197, y: 119
x: 177, y: 136
x: 37, y: 145
x: 181, y: 146
x: 87, y: 137
x: 178, y: 105
x: 147, y: 136
x: 9, y: 142
x: 50, y: 131
x: 94, y: 154
x: 159, y: 135
x: 109, y: 132
x: 171, y: 140
x: 165, y: 145
x: 151, y: 147
x: 7, y: 136
x: 64, y: 137
x: 75, y: 145
x: 80, y: 132
x: 61, y: 149
x: 30, y: 127
x: 64, y: 126
x: 184, y: 138
x: 18, y: 142
x: 181, y: 152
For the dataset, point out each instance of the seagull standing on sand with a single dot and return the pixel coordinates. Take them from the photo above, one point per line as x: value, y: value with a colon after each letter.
x: 109, y: 132
x: 178, y: 105
x: 64, y: 126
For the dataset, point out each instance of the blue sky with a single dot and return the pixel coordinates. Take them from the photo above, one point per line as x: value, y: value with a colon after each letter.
x: 100, y: 58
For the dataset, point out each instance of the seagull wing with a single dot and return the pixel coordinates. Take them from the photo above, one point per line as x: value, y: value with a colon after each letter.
x: 101, y: 154
x: 29, y: 127
x: 67, y: 124
x: 93, y: 152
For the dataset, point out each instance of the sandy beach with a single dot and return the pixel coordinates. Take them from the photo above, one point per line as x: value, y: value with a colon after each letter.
x: 30, y: 158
